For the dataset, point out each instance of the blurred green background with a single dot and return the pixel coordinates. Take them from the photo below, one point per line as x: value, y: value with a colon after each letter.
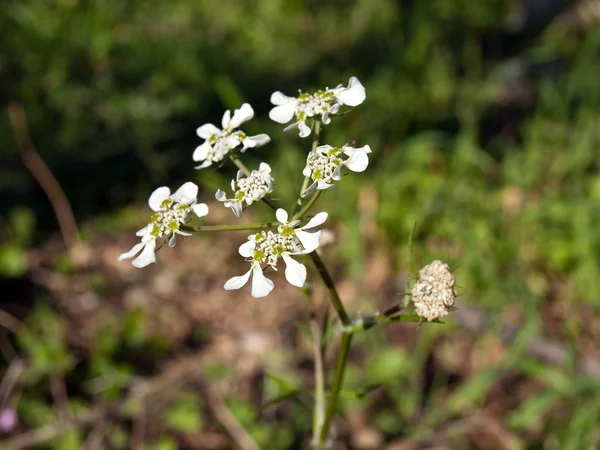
x: 484, y: 121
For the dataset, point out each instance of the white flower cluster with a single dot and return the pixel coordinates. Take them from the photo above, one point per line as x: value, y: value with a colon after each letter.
x: 433, y: 294
x: 325, y: 164
x: 267, y: 247
x: 218, y: 143
x: 321, y: 103
x: 248, y: 189
x: 171, y: 212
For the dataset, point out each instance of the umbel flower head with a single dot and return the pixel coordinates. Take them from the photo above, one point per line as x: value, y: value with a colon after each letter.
x: 321, y: 103
x: 325, y: 164
x: 433, y: 293
x: 247, y: 189
x: 267, y: 247
x: 171, y: 212
x: 218, y: 143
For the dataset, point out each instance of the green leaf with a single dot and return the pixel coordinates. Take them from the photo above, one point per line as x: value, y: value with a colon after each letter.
x: 185, y: 415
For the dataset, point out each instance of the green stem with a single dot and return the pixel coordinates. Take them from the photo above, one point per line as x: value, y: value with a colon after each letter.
x: 305, y: 183
x: 254, y: 226
x: 304, y: 210
x: 319, y: 413
x: 338, y: 380
x: 326, y: 277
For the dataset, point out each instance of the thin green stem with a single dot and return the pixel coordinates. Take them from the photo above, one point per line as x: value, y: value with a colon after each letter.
x: 326, y: 277
x: 319, y: 413
x: 338, y: 380
x: 253, y: 226
x: 304, y: 210
x: 305, y: 183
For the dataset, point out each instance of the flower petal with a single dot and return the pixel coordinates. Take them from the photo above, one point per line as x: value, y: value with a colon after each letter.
x: 309, y: 190
x: 172, y: 240
x: 282, y: 215
x: 157, y: 197
x: 187, y: 193
x: 142, y: 231
x: 201, y: 209
x: 131, y: 253
x: 315, y: 221
x: 203, y: 165
x: 283, y: 113
x: 310, y: 241
x: 226, y: 119
x: 357, y: 162
x: 237, y: 282
x: 354, y: 94
x: 264, y: 167
x: 256, y: 141
x: 147, y: 256
x: 237, y: 209
x: 221, y: 195
x: 201, y: 152
x: 261, y: 285
x: 304, y: 129
x: 207, y: 130
x: 247, y: 249
x: 279, y: 98
x: 295, y: 272
x: 244, y: 114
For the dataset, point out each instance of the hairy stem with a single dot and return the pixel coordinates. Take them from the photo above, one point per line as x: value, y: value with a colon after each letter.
x: 338, y: 380
x: 253, y: 226
x: 326, y: 277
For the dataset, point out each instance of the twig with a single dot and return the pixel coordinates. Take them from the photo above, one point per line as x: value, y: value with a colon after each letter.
x: 227, y: 419
x: 10, y: 322
x: 43, y: 175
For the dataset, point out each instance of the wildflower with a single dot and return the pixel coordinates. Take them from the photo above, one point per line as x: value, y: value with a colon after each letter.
x: 433, y: 293
x: 324, y: 165
x: 218, y: 143
x: 321, y: 103
x: 171, y: 212
x: 248, y: 189
x: 267, y: 247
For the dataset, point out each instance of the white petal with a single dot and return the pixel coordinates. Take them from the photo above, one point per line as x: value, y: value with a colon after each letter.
x: 358, y: 162
x: 147, y: 256
x: 226, y: 119
x: 325, y: 118
x: 237, y: 282
x: 244, y: 114
x: 183, y: 233
x: 336, y: 175
x: 264, y: 167
x: 304, y: 129
x: 172, y: 240
x: 324, y: 148
x: 282, y: 215
x: 247, y: 249
x: 208, y: 130
x: 157, y: 197
x: 306, y: 171
x: 201, y: 209
x: 354, y: 94
x: 236, y: 207
x: 201, y: 152
x: 295, y: 272
x: 310, y: 241
x: 322, y: 185
x: 220, y: 195
x: 256, y: 141
x: 261, y: 285
x: 203, y: 165
x: 315, y: 221
x: 283, y: 113
x: 131, y: 253
x: 309, y: 190
x: 142, y: 231
x: 187, y: 193
x: 278, y: 98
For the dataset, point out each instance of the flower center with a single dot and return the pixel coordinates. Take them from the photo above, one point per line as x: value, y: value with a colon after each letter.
x: 254, y: 187
x: 310, y: 105
x: 223, y: 143
x: 270, y: 246
x: 169, y: 220
x: 322, y: 165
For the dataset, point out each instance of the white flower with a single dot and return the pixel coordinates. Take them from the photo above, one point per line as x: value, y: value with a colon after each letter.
x: 248, y: 189
x: 323, y: 103
x: 218, y: 143
x: 325, y: 164
x: 171, y: 212
x: 267, y: 247
x: 434, y: 292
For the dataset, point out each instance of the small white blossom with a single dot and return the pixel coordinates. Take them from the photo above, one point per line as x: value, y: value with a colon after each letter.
x: 321, y: 103
x: 218, y: 143
x: 325, y: 164
x: 434, y: 291
x: 267, y: 247
x: 248, y: 189
x: 171, y: 212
